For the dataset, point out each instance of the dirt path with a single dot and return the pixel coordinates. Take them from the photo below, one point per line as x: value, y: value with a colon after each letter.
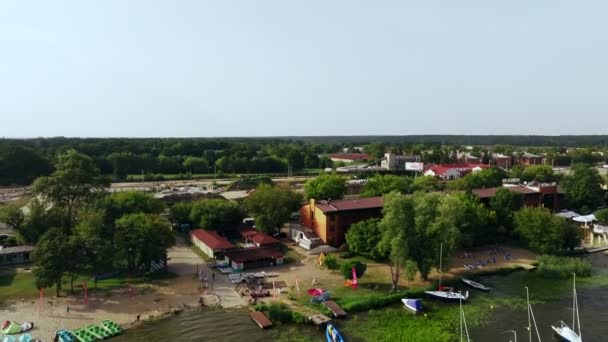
x: 220, y: 291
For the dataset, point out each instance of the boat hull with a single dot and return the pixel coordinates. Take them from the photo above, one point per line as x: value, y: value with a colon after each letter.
x: 446, y: 296
x: 566, y: 334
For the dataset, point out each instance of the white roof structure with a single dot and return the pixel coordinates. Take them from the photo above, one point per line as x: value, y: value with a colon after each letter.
x: 585, y: 219
x: 568, y: 214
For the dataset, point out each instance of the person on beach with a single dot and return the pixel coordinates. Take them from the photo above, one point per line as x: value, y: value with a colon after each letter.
x: 67, y: 309
x: 137, y: 318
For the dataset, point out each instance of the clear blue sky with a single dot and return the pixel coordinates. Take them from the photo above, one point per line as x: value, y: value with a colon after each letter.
x: 313, y: 67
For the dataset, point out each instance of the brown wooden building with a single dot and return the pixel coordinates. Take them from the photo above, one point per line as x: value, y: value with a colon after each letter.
x: 330, y: 220
x: 542, y: 195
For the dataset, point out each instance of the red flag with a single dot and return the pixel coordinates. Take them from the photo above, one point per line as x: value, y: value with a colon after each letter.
x: 354, y: 278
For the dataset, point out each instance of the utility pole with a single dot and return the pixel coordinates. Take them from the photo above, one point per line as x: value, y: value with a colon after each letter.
x: 142, y: 176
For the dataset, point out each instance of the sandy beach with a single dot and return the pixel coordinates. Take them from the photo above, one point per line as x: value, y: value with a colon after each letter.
x: 123, y: 306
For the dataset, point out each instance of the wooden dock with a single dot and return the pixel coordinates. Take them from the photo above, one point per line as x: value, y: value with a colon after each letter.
x: 335, y: 308
x: 598, y: 249
x: 260, y: 319
x: 319, y: 319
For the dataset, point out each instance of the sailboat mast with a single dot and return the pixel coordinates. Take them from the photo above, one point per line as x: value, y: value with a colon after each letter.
x: 529, y: 320
x: 578, y: 319
x: 440, y: 263
x: 573, y: 301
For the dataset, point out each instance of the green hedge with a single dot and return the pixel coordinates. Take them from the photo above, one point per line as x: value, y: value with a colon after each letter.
x: 366, y: 303
x: 563, y: 267
x: 279, y: 312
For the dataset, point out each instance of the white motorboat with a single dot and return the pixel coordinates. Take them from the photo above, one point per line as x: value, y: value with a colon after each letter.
x: 414, y: 305
x: 448, y: 294
x: 566, y: 332
x: 475, y: 284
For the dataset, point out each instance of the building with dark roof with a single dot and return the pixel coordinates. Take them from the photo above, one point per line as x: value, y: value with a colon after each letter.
x: 258, y: 239
x: 210, y: 242
x: 247, y: 258
x: 330, y: 220
x: 448, y: 172
x: 546, y: 195
x: 16, y: 255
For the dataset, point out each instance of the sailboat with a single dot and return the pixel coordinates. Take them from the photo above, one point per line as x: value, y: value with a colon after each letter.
x: 463, y: 323
x: 446, y: 293
x: 563, y: 330
x: 531, y: 318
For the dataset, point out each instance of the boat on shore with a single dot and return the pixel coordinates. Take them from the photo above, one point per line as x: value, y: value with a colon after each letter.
x: 475, y: 284
x: 414, y: 305
x: 332, y: 333
x: 565, y: 332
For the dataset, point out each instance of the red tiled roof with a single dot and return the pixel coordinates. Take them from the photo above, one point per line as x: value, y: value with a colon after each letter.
x: 350, y: 204
x: 253, y: 254
x: 263, y: 239
x: 350, y: 156
x: 255, y: 236
x: 491, y: 192
x: 211, y: 239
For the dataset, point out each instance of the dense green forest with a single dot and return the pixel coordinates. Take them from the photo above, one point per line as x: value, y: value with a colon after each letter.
x: 22, y: 160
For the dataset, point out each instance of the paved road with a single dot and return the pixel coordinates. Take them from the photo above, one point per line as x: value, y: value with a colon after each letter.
x: 183, y: 262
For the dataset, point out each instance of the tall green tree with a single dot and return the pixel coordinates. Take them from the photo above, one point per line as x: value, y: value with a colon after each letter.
x: 504, y: 204
x: 583, y: 187
x: 93, y: 242
x: 50, y: 261
x: 141, y: 239
x: 546, y: 233
x: 379, y: 185
x: 196, y: 164
x: 180, y: 213
x: 326, y: 187
x: 118, y: 204
x: 426, y: 184
x: 398, y: 230
x: 75, y: 180
x: 12, y: 216
x: 271, y: 206
x: 39, y: 219
x: 541, y: 173
x: 364, y: 238
x: 216, y: 214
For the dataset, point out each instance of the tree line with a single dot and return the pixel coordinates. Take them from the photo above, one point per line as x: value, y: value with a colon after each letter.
x: 79, y: 228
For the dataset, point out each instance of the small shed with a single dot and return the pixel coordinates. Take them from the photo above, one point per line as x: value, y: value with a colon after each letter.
x: 258, y: 239
x: 16, y: 255
x: 210, y: 242
x: 305, y: 237
x: 241, y: 259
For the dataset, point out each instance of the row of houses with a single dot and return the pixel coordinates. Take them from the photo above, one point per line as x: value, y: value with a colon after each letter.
x: 330, y: 220
x: 256, y: 249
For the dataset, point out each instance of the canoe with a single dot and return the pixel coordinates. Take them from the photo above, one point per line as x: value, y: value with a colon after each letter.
x: 475, y: 284
x: 65, y: 336
x: 84, y: 335
x: 414, y: 305
x: 12, y: 328
x: 332, y: 334
x: 98, y: 332
x: 112, y: 327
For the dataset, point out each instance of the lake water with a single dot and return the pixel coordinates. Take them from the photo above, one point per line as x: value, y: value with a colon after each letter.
x: 236, y: 326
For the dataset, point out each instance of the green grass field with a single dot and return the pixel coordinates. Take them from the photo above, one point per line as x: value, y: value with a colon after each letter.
x: 17, y: 285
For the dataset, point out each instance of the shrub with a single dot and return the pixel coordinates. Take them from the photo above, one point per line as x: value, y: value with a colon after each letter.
x: 279, y: 312
x: 331, y: 262
x: 563, y: 267
x: 347, y: 266
x: 366, y: 303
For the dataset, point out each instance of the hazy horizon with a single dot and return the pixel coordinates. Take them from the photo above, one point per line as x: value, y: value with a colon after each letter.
x: 271, y: 68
